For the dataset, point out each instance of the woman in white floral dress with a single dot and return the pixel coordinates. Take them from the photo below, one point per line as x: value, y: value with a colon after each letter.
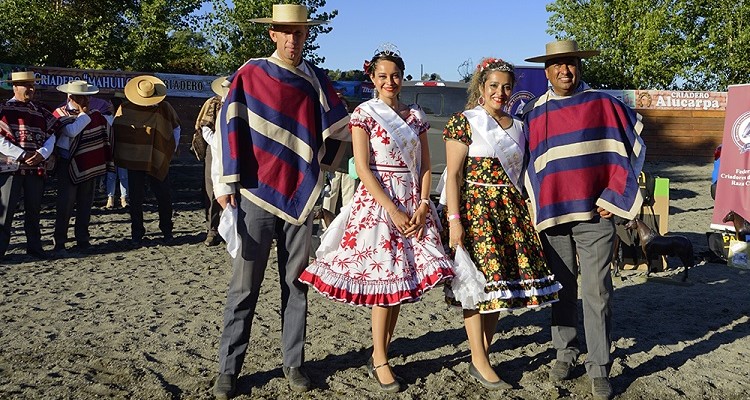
x: 389, y: 251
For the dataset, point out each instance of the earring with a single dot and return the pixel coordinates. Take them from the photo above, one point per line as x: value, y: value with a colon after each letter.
x: 480, y: 101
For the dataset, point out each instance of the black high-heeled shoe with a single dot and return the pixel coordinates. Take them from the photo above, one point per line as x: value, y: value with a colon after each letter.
x: 393, y: 387
x: 499, y: 385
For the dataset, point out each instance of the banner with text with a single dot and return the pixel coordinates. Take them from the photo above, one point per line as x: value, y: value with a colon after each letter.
x: 109, y: 82
x: 733, y: 185
x: 679, y: 100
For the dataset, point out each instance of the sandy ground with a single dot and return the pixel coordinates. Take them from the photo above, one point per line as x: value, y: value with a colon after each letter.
x: 144, y: 324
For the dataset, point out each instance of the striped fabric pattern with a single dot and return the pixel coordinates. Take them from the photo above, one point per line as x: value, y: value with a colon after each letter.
x: 27, y: 126
x: 91, y: 150
x: 576, y: 164
x: 144, y: 139
x: 275, y: 129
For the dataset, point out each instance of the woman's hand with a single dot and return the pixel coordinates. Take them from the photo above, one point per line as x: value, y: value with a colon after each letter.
x: 418, y: 221
x: 456, y: 233
x: 401, y: 220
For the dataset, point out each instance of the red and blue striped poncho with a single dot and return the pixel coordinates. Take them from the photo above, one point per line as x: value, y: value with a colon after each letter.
x: 275, y: 135
x: 583, y: 151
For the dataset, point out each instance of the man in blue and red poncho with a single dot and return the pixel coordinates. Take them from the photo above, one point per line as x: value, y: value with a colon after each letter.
x: 277, y: 130
x: 584, y: 156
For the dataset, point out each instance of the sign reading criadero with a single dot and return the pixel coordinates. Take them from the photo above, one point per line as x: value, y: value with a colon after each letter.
x: 680, y: 100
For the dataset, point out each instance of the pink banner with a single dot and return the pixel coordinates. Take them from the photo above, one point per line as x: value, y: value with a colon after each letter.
x: 733, y: 185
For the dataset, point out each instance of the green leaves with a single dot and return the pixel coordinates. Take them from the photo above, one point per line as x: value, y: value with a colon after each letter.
x: 143, y: 35
x: 658, y: 44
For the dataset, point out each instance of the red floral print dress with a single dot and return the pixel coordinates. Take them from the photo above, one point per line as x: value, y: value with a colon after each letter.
x: 374, y: 264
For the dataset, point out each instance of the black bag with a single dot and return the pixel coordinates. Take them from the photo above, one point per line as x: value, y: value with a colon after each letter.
x: 718, y: 244
x: 647, y: 183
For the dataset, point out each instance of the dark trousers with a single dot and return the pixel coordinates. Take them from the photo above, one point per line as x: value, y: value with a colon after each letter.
x: 586, y: 245
x: 137, y: 194
x: 11, y: 187
x: 71, y: 196
x: 256, y: 228
x: 213, y: 209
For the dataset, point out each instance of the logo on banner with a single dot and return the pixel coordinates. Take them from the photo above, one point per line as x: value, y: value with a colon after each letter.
x: 741, y: 132
x: 518, y: 101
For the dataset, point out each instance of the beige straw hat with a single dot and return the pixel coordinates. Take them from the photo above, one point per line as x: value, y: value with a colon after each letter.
x: 145, y: 90
x: 288, y: 14
x: 78, y: 87
x: 563, y: 48
x: 219, y: 87
x: 22, y: 76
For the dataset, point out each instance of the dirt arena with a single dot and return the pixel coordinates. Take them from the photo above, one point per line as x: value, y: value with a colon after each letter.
x: 123, y: 323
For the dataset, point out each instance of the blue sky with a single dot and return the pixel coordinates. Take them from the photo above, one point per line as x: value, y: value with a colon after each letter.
x: 436, y: 35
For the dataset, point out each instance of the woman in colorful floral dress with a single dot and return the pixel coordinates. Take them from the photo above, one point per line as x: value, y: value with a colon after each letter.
x: 388, y: 249
x: 487, y: 215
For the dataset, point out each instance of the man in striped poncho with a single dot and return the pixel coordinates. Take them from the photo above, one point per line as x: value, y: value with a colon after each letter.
x: 27, y: 138
x: 276, y: 132
x: 584, y: 156
x: 83, y: 155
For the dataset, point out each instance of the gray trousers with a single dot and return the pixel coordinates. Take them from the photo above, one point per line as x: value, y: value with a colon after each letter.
x: 71, y: 196
x: 592, y: 242
x: 11, y: 186
x: 256, y: 228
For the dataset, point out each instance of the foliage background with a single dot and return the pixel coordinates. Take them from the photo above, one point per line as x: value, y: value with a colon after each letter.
x: 645, y: 44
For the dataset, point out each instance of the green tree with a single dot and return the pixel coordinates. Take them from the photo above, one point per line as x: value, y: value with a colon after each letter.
x: 719, y: 41
x: 658, y: 44
x: 152, y: 25
x: 640, y: 41
x: 145, y: 35
x: 234, y: 39
x: 36, y: 32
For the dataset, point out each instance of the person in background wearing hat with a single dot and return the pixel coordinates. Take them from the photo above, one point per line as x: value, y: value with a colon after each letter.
x: 27, y: 138
x: 270, y: 171
x: 205, y: 128
x: 584, y: 154
x: 147, y: 132
x: 83, y: 156
x: 121, y: 174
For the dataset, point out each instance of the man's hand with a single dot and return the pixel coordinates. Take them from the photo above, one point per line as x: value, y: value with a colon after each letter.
x: 603, y: 213
x: 34, y: 159
x: 227, y: 199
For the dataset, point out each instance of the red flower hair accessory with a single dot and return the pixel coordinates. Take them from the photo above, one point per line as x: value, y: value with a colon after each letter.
x: 495, y: 64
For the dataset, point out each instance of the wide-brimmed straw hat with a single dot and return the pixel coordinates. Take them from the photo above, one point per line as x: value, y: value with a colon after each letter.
x: 220, y: 86
x: 22, y: 76
x: 563, y: 48
x: 145, y: 90
x: 78, y: 87
x: 288, y: 14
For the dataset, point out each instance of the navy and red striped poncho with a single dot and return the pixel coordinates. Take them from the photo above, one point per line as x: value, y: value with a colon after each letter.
x: 584, y: 151
x: 276, y: 127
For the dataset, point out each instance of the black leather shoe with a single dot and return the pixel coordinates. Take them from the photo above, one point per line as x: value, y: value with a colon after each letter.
x: 499, y: 385
x: 371, y: 371
x: 298, y: 380
x: 393, y: 387
x: 225, y: 386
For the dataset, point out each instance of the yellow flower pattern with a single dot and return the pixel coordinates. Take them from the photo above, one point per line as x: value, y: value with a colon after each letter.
x: 499, y: 235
